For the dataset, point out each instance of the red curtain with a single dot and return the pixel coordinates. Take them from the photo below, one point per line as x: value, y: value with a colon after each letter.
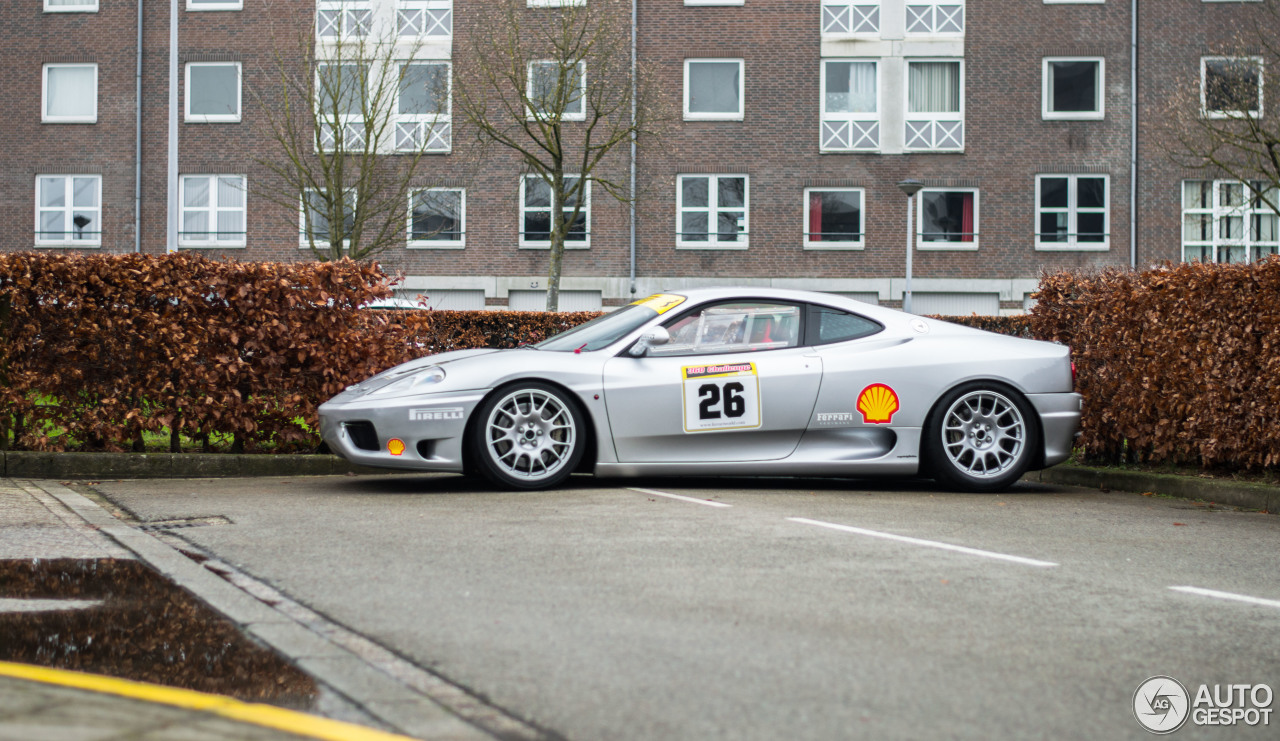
x: 815, y: 217
x: 966, y: 219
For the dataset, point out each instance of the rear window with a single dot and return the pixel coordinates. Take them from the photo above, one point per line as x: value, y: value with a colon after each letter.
x: 832, y: 325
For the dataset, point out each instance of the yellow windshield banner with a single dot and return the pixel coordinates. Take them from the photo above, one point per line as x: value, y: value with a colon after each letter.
x: 660, y: 302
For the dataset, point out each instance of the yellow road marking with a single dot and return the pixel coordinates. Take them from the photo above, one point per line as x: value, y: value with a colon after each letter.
x: 257, y: 714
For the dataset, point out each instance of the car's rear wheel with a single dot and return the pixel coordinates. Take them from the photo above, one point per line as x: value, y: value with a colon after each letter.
x: 528, y: 436
x: 980, y: 437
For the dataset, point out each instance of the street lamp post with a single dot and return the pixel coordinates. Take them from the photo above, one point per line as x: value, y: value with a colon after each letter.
x: 910, y: 187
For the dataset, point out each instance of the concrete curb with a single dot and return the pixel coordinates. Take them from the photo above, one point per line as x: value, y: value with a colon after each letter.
x: 61, y: 466
x: 1234, y: 493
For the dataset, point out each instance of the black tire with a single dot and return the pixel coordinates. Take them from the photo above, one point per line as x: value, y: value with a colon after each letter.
x: 980, y: 437
x: 528, y: 435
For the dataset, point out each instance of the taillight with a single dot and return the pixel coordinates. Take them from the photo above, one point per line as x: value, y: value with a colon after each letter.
x: 1073, y: 374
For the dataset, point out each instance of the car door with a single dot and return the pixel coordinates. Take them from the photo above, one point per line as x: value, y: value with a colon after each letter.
x: 733, y: 384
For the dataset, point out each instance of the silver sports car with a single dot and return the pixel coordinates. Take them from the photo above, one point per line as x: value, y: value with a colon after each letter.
x: 724, y: 381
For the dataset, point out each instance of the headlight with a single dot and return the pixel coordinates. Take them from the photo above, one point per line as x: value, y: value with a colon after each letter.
x: 415, y: 383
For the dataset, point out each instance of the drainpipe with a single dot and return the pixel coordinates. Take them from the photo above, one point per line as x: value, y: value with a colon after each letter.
x: 633, y: 147
x: 171, y: 232
x: 137, y: 143
x: 1133, y: 134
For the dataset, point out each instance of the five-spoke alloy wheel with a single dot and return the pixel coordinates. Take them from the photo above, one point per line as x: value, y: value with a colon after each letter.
x: 980, y: 437
x: 528, y: 436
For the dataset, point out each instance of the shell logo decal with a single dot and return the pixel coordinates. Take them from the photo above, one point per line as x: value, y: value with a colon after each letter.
x: 395, y: 446
x: 877, y: 403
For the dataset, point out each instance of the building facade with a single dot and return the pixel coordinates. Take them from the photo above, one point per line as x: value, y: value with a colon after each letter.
x: 796, y: 120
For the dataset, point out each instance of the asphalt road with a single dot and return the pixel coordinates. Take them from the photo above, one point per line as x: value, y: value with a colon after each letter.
x: 793, y: 610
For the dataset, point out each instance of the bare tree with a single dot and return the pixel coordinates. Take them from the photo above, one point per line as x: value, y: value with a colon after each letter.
x: 351, y: 110
x: 1214, y: 122
x: 557, y: 87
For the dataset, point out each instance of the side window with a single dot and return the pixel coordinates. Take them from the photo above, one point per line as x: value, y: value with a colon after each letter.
x: 748, y: 326
x: 828, y: 325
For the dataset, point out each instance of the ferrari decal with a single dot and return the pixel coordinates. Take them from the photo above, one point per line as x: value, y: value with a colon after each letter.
x: 877, y: 403
x: 395, y: 446
x: 660, y: 302
x: 725, y: 396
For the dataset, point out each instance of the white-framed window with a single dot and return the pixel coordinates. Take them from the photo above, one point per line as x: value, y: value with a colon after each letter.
x: 935, y: 17
x: 713, y: 2
x: 712, y: 211
x: 1073, y: 88
x: 850, y: 105
x: 1080, y: 2
x: 313, y: 215
x: 1230, y: 86
x: 935, y: 106
x: 424, y: 120
x: 1072, y: 212
x: 213, y: 211
x: 341, y: 96
x: 213, y: 92
x: 713, y: 90
x: 1228, y: 221
x: 834, y: 219
x: 948, y: 219
x: 343, y: 18
x: 553, y: 3
x: 71, y: 6
x: 215, y: 4
x: 553, y: 87
x: 535, y: 213
x: 437, y: 218
x: 68, y: 210
x: 850, y: 17
x: 70, y: 93
x: 430, y: 20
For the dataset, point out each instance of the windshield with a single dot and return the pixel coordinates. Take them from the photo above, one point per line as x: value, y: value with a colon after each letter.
x: 601, y: 331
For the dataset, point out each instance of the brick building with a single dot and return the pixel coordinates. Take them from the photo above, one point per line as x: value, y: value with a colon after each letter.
x: 797, y: 120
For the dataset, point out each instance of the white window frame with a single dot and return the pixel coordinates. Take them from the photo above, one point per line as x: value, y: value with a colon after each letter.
x: 713, y: 242
x: 543, y: 244
x: 302, y: 219
x: 351, y: 122
x: 85, y: 6
x: 742, y: 92
x: 68, y: 209
x: 837, y: 245
x: 435, y: 242
x: 939, y: 13
x: 936, y: 122
x: 553, y: 3
x: 1073, y: 211
x: 1217, y: 212
x: 1204, y: 109
x: 1080, y: 2
x: 582, y: 90
x: 947, y: 246
x: 713, y: 2
x: 212, y: 210
x: 436, y: 128
x: 197, y: 6
x: 189, y: 117
x: 347, y: 22
x: 44, y: 95
x: 1046, y: 91
x: 859, y: 132
x: 434, y: 16
x: 850, y: 18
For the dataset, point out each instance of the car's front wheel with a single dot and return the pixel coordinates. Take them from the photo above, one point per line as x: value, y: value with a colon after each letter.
x: 980, y: 437
x: 528, y: 436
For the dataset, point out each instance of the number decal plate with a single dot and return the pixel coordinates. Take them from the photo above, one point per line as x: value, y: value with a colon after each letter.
x: 724, y: 396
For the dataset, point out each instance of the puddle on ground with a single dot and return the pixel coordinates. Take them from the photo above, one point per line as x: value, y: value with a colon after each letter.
x: 120, y: 618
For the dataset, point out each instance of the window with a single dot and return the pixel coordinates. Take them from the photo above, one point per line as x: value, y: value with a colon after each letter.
x: 1228, y: 221
x: 535, y: 212
x: 935, y: 106
x: 935, y: 16
x: 423, y: 119
x: 1231, y: 86
x: 713, y: 89
x: 70, y: 6
x: 557, y: 89
x: 343, y: 18
x: 850, y: 106
x: 437, y: 217
x: 847, y: 17
x: 746, y: 326
x: 70, y: 93
x: 213, y: 211
x: 712, y: 211
x: 213, y: 92
x: 948, y: 219
x: 69, y: 210
x: 426, y: 19
x: 554, y: 3
x: 215, y: 4
x: 313, y: 213
x: 1082, y: 2
x: 340, y: 101
x: 828, y: 325
x: 1071, y: 212
x: 1073, y: 88
x: 713, y: 2
x: 833, y: 219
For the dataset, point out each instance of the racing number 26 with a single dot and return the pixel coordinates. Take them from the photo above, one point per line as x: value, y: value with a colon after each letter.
x: 734, y: 405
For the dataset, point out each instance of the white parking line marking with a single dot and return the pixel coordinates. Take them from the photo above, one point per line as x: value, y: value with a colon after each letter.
x: 1228, y: 595
x: 707, y: 502
x: 926, y: 543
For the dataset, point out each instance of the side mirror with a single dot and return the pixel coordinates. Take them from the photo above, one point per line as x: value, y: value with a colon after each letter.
x: 654, y: 337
